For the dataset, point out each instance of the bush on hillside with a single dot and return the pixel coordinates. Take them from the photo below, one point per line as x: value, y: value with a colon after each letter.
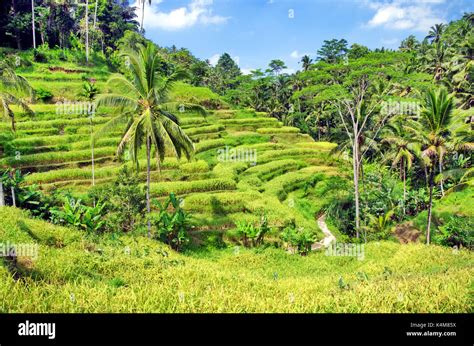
x: 456, y: 232
x: 252, y: 236
x: 172, y: 223
x: 43, y: 94
x: 299, y: 238
x: 125, y: 201
x: 78, y: 215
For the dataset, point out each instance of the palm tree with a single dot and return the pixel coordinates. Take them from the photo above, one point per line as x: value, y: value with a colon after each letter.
x: 436, y: 122
x: 409, y: 44
x: 143, y: 100
x: 306, y: 61
x: 11, y: 85
x: 436, y: 32
x: 402, y: 150
x: 469, y: 17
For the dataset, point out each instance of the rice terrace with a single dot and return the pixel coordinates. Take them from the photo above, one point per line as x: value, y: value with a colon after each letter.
x: 138, y: 176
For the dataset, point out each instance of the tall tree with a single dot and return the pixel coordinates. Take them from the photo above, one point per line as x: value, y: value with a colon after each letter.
x: 332, y: 51
x: 142, y: 97
x: 358, y: 51
x: 402, y: 150
x: 436, y: 123
x: 227, y: 67
x: 306, y: 62
x: 409, y: 44
x: 357, y: 106
x: 12, y: 87
x: 276, y: 66
x: 436, y: 32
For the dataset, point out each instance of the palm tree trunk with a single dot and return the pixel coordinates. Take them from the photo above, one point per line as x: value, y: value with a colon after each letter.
x: 33, y: 22
x: 441, y: 174
x: 2, y: 195
x: 143, y: 15
x: 87, y: 30
x: 12, y: 189
x: 148, y: 149
x: 404, y: 187
x: 430, y: 207
x: 92, y: 154
x: 426, y: 177
x: 355, y: 164
x: 95, y: 13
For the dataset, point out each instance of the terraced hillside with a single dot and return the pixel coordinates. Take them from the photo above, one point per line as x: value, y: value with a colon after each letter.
x: 246, y: 164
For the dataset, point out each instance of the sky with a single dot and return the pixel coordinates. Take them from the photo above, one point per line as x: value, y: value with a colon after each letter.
x: 254, y: 32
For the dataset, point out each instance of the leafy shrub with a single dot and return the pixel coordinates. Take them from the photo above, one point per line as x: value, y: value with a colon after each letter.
x: 125, y: 201
x: 43, y: 94
x: 172, y: 226
x: 250, y: 235
x: 458, y: 231
x: 40, y: 56
x: 89, y: 89
x: 298, y: 237
x: 417, y: 201
x: 38, y: 203
x: 74, y: 213
x: 382, y: 191
x: 378, y: 227
x: 29, y: 197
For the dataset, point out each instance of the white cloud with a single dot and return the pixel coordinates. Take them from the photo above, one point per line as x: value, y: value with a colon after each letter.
x: 196, y: 12
x: 417, y: 15
x: 214, y: 59
x: 294, y: 54
x: 247, y: 71
x: 297, y: 55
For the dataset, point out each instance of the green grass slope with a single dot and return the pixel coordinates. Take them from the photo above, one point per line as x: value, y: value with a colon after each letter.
x: 73, y: 273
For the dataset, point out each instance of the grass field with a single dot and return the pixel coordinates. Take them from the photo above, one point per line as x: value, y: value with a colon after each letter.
x: 130, y: 273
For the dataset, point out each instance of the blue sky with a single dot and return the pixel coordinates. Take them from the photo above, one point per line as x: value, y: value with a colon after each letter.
x: 257, y: 31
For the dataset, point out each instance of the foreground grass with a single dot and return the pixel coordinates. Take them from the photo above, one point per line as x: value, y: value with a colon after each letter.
x: 75, y: 273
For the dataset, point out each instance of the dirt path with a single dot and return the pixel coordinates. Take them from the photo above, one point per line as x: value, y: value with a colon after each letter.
x: 325, y: 242
x: 328, y: 236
